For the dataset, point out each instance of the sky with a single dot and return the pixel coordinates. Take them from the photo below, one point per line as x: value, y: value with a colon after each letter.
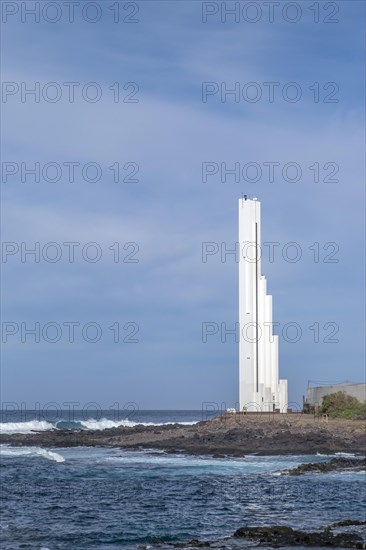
x: 131, y: 169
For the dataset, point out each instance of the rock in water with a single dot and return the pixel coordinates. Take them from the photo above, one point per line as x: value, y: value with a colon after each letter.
x: 351, y: 464
x: 280, y: 535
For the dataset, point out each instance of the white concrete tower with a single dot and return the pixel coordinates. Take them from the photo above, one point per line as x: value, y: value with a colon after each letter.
x: 259, y: 386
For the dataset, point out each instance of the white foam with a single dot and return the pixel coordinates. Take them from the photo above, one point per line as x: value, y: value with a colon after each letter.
x: 25, y: 427
x: 7, y: 451
x: 346, y: 455
x: 91, y: 424
x: 340, y: 454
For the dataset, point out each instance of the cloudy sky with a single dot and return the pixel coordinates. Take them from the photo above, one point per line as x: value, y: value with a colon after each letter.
x: 121, y: 160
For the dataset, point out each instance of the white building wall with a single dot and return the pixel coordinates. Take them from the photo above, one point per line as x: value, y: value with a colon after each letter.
x: 259, y: 385
x: 283, y: 399
x: 247, y: 310
x: 274, y: 369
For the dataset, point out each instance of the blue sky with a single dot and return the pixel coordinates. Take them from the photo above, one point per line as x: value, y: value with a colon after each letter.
x: 170, y: 212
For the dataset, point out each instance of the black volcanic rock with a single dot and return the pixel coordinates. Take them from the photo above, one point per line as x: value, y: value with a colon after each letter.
x: 192, y: 544
x: 279, y: 536
x: 335, y: 464
x: 231, y: 435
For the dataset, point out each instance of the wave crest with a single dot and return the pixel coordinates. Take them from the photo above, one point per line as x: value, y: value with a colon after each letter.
x: 25, y: 427
x: 90, y: 424
x: 31, y: 452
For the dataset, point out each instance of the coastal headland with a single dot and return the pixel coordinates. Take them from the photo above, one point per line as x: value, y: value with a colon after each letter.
x: 226, y: 435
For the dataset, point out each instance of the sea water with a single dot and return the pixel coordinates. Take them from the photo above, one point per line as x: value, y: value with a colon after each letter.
x: 106, y: 498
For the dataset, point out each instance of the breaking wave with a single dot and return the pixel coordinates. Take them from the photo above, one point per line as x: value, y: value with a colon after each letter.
x: 25, y: 427
x: 91, y: 424
x: 30, y: 451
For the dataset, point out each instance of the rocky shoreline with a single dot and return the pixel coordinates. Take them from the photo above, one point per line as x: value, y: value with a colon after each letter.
x: 280, y: 536
x: 333, y: 465
x: 227, y: 435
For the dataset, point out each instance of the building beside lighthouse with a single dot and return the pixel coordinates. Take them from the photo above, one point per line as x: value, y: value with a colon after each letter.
x: 260, y: 388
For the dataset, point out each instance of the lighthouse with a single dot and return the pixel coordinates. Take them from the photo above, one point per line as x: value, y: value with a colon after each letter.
x: 260, y: 388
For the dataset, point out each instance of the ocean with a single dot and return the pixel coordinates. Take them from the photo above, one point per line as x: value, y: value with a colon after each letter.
x: 84, y: 498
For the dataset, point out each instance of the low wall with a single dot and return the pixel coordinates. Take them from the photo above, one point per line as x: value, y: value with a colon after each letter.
x: 315, y: 395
